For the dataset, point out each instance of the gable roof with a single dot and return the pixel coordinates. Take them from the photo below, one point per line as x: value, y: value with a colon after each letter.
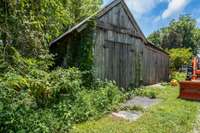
x: 71, y: 30
x: 102, y: 12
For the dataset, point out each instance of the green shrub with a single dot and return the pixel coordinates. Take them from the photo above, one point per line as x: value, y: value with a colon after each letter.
x: 66, y: 82
x: 93, y: 103
x: 179, y: 76
x: 16, y: 81
x: 20, y: 112
x: 150, y: 92
x: 179, y: 57
x: 33, y: 99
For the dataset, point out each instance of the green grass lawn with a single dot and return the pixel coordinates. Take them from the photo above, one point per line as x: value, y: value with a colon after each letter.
x: 172, y: 115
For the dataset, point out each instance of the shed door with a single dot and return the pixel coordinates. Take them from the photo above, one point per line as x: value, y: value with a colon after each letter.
x: 118, y: 59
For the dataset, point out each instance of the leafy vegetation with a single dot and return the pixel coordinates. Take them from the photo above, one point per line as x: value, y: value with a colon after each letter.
x: 182, y: 33
x: 33, y: 99
x: 179, y: 57
x: 33, y: 96
x: 144, y: 92
x: 179, y: 76
x: 181, y: 39
x: 30, y: 25
x: 172, y: 115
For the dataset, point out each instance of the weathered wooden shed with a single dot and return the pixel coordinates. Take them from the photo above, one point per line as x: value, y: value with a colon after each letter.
x: 120, y: 50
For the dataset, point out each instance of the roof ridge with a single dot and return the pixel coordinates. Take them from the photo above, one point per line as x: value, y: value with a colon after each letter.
x: 100, y: 13
x: 114, y: 2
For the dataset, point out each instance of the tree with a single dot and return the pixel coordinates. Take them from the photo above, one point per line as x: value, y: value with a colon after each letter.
x: 179, y: 34
x: 155, y: 38
x: 183, y: 28
x: 25, y: 24
x: 196, y: 38
x: 30, y: 25
x: 80, y: 9
x: 179, y: 57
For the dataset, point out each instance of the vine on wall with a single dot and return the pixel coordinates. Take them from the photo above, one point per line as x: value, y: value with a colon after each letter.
x: 76, y: 50
x: 86, y: 47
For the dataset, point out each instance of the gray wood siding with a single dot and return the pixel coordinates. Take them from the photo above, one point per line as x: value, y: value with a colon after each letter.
x: 121, y: 52
x: 121, y: 56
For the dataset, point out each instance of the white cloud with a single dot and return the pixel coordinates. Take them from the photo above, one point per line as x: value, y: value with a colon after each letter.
x: 174, y: 7
x: 142, y: 6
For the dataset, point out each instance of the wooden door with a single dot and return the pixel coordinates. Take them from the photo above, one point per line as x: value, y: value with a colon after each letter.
x: 118, y: 63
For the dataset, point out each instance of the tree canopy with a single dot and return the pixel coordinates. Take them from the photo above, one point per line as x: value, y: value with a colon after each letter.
x: 181, y: 33
x: 30, y: 25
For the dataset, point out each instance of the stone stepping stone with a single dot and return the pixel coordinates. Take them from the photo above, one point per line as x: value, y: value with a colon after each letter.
x: 127, y: 115
x: 159, y: 85
x: 144, y: 102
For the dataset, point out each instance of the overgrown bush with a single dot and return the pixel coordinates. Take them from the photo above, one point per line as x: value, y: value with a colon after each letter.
x: 33, y: 99
x: 145, y: 92
x: 179, y: 76
x: 179, y: 57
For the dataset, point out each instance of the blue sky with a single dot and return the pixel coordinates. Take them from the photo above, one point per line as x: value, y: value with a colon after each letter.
x: 154, y: 14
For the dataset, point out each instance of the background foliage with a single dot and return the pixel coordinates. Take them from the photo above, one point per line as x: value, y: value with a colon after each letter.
x: 30, y: 25
x: 181, y: 33
x: 181, y: 39
x: 179, y: 57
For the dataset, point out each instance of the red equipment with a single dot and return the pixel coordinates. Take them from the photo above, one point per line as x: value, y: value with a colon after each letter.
x: 190, y: 89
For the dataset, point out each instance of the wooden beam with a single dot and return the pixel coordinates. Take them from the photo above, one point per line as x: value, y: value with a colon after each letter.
x: 109, y: 43
x: 118, y: 29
